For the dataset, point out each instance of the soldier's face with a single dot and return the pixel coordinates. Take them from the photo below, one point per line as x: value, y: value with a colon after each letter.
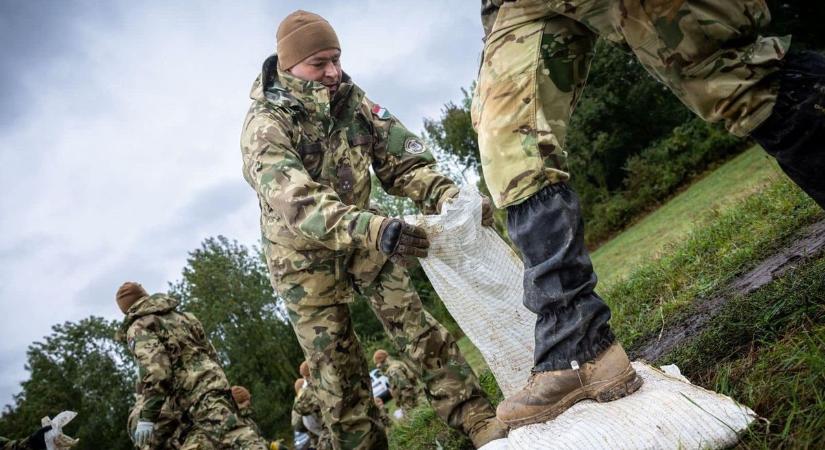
x: 323, y: 67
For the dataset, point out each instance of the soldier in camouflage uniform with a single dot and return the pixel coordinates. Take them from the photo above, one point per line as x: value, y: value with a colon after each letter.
x: 403, y: 385
x: 308, y: 406
x: 178, y: 364
x: 168, y: 430
x: 383, y: 412
x: 34, y: 442
x: 243, y: 402
x: 308, y: 143
x: 537, y: 54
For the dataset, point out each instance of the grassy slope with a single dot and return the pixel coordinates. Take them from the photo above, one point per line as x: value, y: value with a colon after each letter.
x: 715, y: 192
x: 766, y: 349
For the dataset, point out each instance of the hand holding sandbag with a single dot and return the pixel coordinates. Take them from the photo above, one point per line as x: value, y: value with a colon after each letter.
x: 399, y: 239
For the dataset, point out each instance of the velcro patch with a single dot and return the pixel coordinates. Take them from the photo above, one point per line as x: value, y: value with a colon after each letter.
x: 414, y: 146
x: 380, y: 112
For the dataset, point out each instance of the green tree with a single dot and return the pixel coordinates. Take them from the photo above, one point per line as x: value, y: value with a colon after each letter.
x: 79, y: 367
x: 226, y: 286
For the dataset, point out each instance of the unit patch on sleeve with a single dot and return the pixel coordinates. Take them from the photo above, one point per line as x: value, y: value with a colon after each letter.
x: 380, y: 112
x: 414, y: 146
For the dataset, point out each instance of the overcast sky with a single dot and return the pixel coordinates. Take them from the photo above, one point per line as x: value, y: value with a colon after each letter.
x: 119, y: 131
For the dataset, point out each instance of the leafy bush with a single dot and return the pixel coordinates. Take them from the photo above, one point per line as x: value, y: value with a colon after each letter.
x: 658, y: 171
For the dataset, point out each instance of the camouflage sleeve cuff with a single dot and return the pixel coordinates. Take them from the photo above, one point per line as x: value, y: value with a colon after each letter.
x: 447, y: 195
x: 364, y: 230
x: 151, y: 408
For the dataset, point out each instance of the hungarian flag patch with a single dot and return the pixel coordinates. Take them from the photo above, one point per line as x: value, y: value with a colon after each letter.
x: 380, y: 112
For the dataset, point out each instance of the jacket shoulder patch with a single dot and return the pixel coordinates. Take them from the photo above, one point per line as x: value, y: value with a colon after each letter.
x: 380, y: 112
x: 414, y: 146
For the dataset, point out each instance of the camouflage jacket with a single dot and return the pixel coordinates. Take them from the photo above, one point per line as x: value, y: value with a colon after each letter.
x: 308, y: 157
x: 246, y: 415
x: 403, y: 386
x: 306, y: 402
x: 174, y: 357
x: 489, y: 12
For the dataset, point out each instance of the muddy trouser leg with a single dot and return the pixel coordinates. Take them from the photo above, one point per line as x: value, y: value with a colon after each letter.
x: 450, y: 384
x: 337, y: 363
x: 559, y: 282
x: 795, y: 133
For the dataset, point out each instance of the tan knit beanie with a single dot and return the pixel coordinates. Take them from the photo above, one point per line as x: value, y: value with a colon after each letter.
x: 302, y: 34
x: 303, y: 369
x: 380, y: 356
x: 241, y: 395
x: 128, y: 293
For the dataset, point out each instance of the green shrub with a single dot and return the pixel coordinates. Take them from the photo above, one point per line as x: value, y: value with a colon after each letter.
x: 656, y: 173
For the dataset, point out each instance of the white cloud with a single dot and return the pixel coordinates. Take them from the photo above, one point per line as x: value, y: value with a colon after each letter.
x: 123, y: 154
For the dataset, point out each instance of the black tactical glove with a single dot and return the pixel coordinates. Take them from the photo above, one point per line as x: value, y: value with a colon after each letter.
x: 37, y: 440
x: 398, y: 240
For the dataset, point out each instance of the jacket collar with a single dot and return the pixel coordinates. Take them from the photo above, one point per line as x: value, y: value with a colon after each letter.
x: 311, y: 98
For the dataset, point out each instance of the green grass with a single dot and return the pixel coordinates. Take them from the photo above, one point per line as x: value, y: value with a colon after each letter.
x: 717, y: 191
x: 736, y: 240
x: 767, y: 350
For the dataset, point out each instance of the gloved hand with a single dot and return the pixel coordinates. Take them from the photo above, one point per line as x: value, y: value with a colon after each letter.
x: 143, y: 432
x: 37, y: 440
x: 398, y: 240
x: 486, y: 211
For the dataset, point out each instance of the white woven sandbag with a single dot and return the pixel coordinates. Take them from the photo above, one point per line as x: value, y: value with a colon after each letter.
x: 665, y: 413
x: 479, y: 279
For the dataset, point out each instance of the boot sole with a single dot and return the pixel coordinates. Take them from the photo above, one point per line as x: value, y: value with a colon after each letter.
x: 615, y: 388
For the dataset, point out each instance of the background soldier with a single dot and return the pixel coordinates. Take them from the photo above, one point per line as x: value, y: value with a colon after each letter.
x: 308, y: 407
x: 403, y: 383
x: 243, y: 402
x: 536, y: 58
x: 308, y: 143
x: 168, y: 431
x: 34, y: 442
x: 297, y: 422
x: 178, y: 363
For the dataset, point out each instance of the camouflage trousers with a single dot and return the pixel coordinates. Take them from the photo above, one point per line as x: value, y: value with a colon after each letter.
x: 538, y: 54
x: 216, y: 425
x: 337, y: 362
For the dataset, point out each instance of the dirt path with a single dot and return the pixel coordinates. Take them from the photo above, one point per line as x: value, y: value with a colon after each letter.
x: 809, y: 243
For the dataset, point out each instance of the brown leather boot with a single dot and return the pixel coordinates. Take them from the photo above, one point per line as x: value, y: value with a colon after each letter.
x: 487, y: 430
x: 547, y: 394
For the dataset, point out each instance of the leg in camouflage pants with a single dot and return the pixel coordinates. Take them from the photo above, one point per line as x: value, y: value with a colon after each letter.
x: 449, y: 382
x: 337, y: 361
x: 536, y: 59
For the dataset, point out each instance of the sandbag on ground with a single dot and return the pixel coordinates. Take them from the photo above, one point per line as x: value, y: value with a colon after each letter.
x: 666, y: 413
x: 479, y: 279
